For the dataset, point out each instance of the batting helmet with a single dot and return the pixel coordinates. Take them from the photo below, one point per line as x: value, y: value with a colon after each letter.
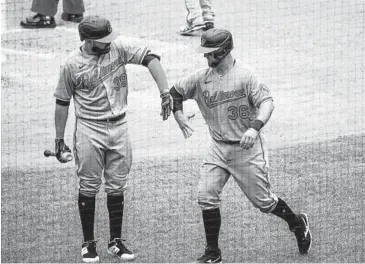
x: 216, y: 40
x: 96, y: 28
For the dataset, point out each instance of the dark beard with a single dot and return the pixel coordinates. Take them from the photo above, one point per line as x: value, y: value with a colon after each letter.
x: 100, y: 51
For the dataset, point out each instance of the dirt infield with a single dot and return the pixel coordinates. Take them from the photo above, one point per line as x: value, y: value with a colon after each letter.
x: 162, y: 220
x: 311, y: 55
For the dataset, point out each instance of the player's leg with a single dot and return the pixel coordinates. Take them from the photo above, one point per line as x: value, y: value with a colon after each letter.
x: 73, y: 10
x: 250, y: 170
x: 207, y: 13
x: 89, y: 159
x: 194, y: 20
x: 118, y: 162
x: 213, y: 177
x: 45, y: 11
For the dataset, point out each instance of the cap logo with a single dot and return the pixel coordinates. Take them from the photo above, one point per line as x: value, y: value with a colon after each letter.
x: 203, y: 41
x: 109, y: 27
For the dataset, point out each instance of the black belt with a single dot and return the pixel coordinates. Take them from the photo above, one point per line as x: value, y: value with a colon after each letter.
x: 114, y: 119
x: 228, y: 142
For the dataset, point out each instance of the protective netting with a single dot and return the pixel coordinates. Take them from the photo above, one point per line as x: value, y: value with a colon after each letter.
x: 311, y: 55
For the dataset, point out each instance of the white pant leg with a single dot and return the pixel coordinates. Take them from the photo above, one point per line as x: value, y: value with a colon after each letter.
x: 194, y: 13
x: 207, y: 11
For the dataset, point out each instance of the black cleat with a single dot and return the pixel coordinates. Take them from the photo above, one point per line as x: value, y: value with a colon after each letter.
x: 211, y: 255
x: 302, y: 233
x: 72, y: 17
x: 38, y: 21
x: 117, y: 249
x: 88, y: 252
x: 209, y: 25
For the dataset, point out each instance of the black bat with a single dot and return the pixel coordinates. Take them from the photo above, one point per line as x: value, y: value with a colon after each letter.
x: 48, y: 153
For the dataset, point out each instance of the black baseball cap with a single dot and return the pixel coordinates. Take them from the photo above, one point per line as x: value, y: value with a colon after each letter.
x: 213, y: 39
x: 96, y: 28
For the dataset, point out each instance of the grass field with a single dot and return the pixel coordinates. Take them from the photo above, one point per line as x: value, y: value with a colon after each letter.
x: 311, y: 54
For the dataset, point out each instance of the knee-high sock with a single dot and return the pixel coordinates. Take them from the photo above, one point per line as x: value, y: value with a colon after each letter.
x: 283, y: 211
x: 87, y: 214
x: 115, y: 207
x: 212, y: 225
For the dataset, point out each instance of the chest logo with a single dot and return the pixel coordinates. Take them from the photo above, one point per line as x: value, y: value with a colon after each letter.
x: 89, y: 80
x: 220, y: 97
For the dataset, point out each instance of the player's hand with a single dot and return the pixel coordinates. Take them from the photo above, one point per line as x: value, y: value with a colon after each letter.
x: 184, y: 123
x: 60, y: 148
x: 249, y: 138
x: 166, y: 105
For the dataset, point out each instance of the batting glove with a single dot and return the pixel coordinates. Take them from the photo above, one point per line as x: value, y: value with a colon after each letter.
x: 60, y: 149
x: 166, y: 105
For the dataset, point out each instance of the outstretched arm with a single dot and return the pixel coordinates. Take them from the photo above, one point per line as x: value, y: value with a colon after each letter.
x: 159, y: 76
x: 181, y: 119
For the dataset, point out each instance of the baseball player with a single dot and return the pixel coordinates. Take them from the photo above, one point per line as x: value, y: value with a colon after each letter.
x: 235, y: 105
x: 46, y: 10
x: 199, y: 16
x: 95, y: 76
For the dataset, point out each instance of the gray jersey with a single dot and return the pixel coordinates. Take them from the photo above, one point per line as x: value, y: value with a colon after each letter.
x: 99, y: 85
x: 228, y: 103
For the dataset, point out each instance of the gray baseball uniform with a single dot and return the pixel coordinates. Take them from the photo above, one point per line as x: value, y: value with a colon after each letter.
x: 228, y: 103
x: 99, y: 87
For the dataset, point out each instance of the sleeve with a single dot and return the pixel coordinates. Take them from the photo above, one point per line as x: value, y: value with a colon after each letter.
x: 65, y: 86
x: 132, y: 52
x: 258, y: 92
x: 187, y: 86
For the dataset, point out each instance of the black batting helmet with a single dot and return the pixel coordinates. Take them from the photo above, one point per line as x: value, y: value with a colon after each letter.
x: 216, y: 40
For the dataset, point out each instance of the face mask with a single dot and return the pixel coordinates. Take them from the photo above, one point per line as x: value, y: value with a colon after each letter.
x: 100, y: 51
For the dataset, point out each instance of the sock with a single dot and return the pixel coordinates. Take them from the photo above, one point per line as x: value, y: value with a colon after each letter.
x: 283, y: 211
x: 87, y: 214
x: 115, y: 207
x: 212, y: 225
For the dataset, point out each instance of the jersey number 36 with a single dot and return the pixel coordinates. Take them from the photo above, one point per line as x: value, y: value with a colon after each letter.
x: 241, y: 111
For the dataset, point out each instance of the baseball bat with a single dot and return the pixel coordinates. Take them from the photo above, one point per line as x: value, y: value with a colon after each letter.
x: 66, y: 155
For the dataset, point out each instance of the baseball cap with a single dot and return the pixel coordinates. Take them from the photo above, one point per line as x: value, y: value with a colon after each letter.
x: 96, y: 28
x: 213, y: 39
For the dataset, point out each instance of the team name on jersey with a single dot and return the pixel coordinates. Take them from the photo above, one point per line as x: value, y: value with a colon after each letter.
x: 221, y: 97
x: 90, y: 80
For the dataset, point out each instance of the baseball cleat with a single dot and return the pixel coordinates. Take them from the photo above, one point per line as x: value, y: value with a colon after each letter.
x: 211, y: 255
x: 209, y: 25
x: 38, y: 21
x: 72, y: 17
x: 303, y: 234
x: 88, y: 252
x: 117, y: 249
x: 191, y: 27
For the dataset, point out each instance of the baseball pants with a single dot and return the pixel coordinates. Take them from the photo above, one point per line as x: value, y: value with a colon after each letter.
x: 249, y: 168
x: 49, y: 7
x: 102, y: 148
x: 195, y: 10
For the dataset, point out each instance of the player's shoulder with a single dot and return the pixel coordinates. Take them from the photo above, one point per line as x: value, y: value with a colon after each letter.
x: 201, y: 73
x: 73, y: 58
x: 244, y: 67
x: 125, y: 42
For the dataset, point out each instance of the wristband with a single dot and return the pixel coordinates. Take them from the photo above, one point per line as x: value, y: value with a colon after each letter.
x: 164, y: 94
x: 256, y: 124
